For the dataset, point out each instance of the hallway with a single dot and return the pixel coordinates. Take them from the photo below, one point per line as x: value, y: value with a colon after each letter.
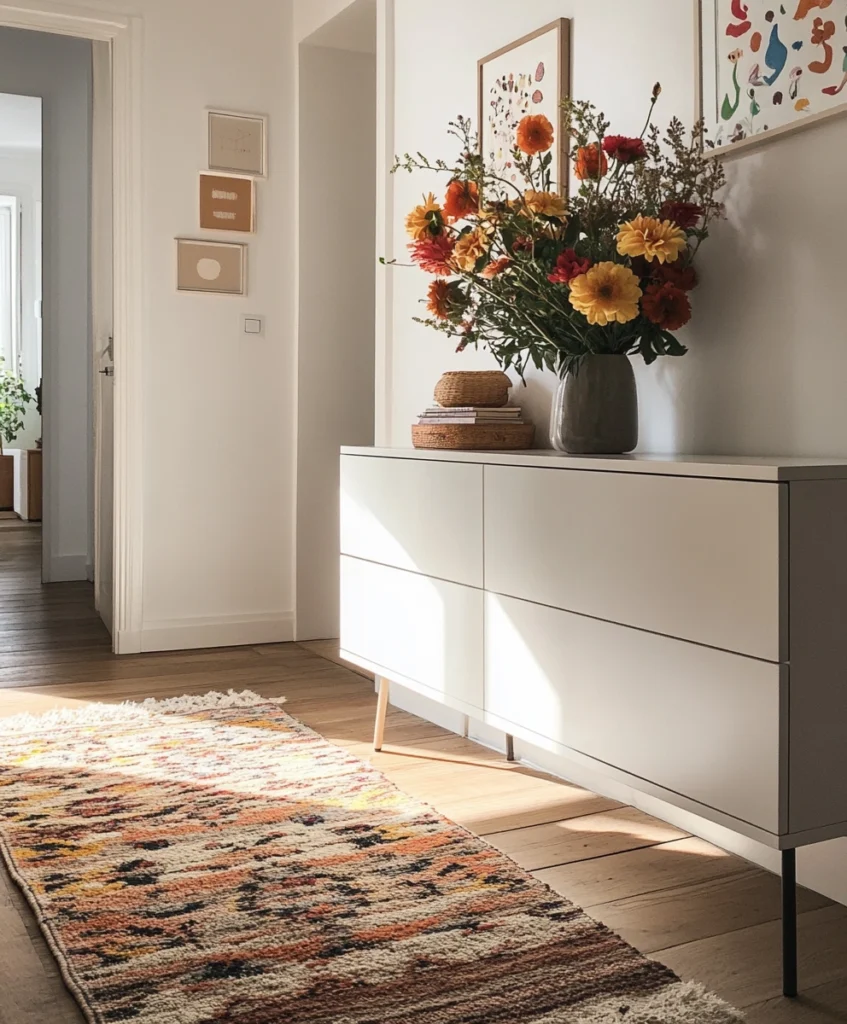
x: 36, y: 618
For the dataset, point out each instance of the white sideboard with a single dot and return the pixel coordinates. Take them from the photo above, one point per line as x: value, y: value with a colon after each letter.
x: 677, y: 623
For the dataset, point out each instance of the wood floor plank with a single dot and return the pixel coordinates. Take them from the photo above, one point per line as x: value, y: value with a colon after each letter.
x: 687, y: 913
x: 594, y: 835
x: 745, y: 966
x: 636, y: 872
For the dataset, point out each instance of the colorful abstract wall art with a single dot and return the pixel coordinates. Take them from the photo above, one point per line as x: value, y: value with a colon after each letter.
x: 530, y: 76
x: 769, y: 67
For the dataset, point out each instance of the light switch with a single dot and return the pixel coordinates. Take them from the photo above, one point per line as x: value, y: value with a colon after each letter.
x: 253, y: 325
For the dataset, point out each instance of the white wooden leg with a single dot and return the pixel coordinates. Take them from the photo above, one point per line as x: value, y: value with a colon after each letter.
x: 381, y: 709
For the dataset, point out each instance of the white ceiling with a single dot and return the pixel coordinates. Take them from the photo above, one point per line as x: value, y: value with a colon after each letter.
x: 20, y: 122
x: 353, y: 29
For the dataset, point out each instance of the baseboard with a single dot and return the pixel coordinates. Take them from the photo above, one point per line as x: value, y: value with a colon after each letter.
x: 66, y: 569
x: 226, y: 631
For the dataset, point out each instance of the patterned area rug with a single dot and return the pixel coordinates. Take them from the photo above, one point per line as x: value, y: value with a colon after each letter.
x: 213, y: 861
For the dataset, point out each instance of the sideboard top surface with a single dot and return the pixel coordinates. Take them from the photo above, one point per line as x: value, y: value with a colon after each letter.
x: 731, y: 467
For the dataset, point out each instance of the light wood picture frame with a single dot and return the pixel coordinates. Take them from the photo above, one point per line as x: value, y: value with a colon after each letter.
x: 777, y: 69
x: 238, y: 143
x: 529, y: 76
x: 219, y: 268
x: 227, y: 203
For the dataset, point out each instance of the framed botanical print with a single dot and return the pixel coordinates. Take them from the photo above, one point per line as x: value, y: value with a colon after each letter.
x: 218, y: 267
x: 768, y: 68
x: 529, y: 76
x: 238, y: 143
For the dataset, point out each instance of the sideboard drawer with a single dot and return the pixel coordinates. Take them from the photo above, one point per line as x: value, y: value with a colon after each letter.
x: 698, y: 559
x: 415, y: 629
x: 698, y: 722
x: 413, y: 514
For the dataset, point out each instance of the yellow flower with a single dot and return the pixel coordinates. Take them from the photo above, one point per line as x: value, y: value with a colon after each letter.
x: 546, y: 204
x: 654, y: 239
x: 608, y: 292
x: 419, y: 222
x: 470, y: 249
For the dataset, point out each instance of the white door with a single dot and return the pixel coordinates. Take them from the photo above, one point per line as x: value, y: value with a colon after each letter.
x: 101, y: 307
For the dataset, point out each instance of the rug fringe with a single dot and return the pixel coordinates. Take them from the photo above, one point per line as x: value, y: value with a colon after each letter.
x: 92, y: 714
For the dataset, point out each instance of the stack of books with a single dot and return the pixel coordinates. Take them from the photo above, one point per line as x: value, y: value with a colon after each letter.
x: 470, y: 415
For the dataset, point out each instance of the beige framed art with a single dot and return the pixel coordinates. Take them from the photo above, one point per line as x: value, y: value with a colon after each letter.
x: 216, y: 267
x: 238, y: 143
x: 227, y: 203
x: 768, y: 68
x: 530, y: 76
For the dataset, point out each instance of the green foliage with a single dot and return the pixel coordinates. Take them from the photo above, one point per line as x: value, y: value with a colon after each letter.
x: 14, y: 398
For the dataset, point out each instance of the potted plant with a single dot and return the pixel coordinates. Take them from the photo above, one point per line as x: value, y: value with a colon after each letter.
x: 578, y: 285
x: 14, y: 399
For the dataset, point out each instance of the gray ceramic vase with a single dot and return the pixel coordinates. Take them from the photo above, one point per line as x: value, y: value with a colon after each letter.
x: 595, y: 411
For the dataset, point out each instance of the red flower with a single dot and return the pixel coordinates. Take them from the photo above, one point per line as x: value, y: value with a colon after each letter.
x: 684, y: 278
x: 433, y: 255
x: 568, y: 266
x: 462, y: 200
x: 523, y: 243
x: 685, y: 214
x: 624, y: 149
x: 667, y: 306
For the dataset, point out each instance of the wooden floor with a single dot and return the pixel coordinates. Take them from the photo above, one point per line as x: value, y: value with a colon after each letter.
x: 712, y: 917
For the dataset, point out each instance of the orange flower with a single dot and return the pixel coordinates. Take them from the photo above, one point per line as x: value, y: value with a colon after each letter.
x: 495, y: 268
x: 535, y: 134
x: 591, y: 162
x: 462, y: 200
x: 422, y: 222
x: 445, y: 300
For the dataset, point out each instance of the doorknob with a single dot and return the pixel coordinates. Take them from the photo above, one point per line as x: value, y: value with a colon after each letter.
x: 109, y: 371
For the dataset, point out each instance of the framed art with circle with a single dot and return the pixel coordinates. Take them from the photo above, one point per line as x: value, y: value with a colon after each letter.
x: 216, y: 267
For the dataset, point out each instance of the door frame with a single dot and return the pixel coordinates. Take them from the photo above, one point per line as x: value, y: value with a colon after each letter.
x: 123, y: 33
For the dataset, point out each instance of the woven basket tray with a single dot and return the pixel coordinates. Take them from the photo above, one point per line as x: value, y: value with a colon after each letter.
x: 474, y: 437
x: 488, y: 388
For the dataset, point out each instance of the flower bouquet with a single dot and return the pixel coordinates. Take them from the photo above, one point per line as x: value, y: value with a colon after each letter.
x: 559, y: 283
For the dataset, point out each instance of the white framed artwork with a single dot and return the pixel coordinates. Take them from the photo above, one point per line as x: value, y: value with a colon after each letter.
x: 530, y: 76
x: 768, y: 68
x: 238, y: 143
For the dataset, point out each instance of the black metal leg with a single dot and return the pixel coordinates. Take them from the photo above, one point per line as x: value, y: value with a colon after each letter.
x: 510, y: 747
x: 789, y: 923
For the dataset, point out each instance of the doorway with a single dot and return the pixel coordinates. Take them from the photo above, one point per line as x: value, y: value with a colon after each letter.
x: 56, y: 340
x: 337, y: 264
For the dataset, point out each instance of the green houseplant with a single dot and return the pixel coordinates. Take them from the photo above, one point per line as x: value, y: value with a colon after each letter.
x: 14, y: 398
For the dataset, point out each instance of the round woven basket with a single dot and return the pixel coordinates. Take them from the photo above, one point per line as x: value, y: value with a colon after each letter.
x: 485, y: 388
x: 474, y: 437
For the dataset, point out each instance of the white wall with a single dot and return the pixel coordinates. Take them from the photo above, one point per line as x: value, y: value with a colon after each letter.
x: 218, y: 404
x: 20, y: 176
x: 58, y: 69
x: 768, y: 361
x: 337, y: 201
x: 311, y: 15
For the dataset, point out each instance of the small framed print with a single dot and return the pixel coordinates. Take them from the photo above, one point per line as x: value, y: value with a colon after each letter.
x: 238, y: 143
x: 217, y: 267
x: 227, y: 203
